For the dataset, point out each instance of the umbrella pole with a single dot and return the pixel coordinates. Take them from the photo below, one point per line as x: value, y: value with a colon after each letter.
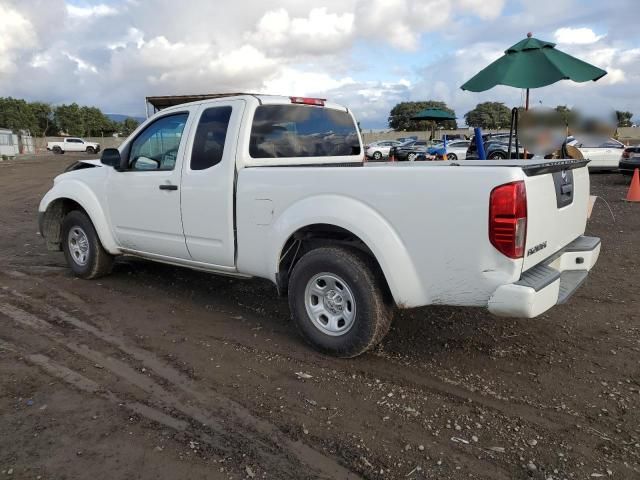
x: 526, y: 107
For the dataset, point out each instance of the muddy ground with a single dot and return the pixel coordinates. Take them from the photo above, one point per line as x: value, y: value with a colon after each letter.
x: 157, y: 372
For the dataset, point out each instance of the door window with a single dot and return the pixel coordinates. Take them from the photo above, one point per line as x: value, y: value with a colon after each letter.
x: 208, y: 144
x: 156, y: 147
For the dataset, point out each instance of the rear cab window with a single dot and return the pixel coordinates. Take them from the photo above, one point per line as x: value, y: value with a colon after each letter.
x: 297, y: 134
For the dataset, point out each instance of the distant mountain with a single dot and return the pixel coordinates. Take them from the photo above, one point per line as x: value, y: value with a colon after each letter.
x: 117, y: 117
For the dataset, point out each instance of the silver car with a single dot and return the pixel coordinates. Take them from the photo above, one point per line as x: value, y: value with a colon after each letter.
x: 380, y: 150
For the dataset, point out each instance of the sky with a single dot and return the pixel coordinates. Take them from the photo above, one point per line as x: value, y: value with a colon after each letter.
x: 365, y: 54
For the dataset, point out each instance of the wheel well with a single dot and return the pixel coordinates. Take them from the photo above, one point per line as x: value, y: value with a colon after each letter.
x: 314, y: 236
x: 51, y: 226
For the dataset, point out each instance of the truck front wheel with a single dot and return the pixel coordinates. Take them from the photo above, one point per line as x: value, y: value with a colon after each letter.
x: 338, y: 302
x: 82, y: 248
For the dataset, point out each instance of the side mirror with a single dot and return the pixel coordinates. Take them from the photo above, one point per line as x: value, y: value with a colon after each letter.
x: 111, y: 157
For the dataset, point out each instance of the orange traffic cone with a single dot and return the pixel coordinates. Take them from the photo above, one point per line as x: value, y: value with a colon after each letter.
x: 634, y: 189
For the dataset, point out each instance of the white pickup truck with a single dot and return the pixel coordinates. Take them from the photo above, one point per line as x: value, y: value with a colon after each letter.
x: 73, y: 144
x: 277, y: 187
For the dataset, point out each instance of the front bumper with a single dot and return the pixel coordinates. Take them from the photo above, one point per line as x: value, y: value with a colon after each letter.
x: 549, y: 283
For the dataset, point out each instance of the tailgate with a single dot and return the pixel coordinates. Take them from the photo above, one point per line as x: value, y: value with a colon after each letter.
x: 557, y: 204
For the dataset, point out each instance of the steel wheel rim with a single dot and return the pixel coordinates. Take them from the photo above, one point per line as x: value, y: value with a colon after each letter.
x: 330, y: 304
x: 78, y: 243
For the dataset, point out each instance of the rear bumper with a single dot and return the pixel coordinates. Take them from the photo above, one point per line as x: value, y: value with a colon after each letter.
x: 628, y: 166
x: 550, y: 283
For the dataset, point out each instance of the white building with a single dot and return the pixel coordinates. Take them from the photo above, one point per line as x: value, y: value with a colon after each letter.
x: 8, y: 143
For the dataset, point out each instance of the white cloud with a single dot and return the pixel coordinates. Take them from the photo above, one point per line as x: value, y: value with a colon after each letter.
x: 577, y: 36
x: 87, y: 12
x: 82, y: 65
x: 133, y: 36
x: 368, y: 54
x: 401, y: 22
x: 487, y: 9
x: 291, y: 81
x: 17, y: 34
x: 319, y: 32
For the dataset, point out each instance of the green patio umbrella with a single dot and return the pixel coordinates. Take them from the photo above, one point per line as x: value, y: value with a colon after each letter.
x: 435, y: 115
x: 532, y: 63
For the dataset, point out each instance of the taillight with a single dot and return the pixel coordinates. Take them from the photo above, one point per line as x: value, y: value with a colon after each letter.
x: 308, y: 101
x: 508, y: 219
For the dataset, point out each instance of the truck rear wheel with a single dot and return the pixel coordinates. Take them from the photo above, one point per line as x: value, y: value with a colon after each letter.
x: 82, y: 247
x: 57, y: 150
x: 338, y: 302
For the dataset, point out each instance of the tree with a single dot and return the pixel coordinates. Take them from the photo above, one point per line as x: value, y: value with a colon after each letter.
x: 565, y: 113
x: 400, y: 116
x: 128, y: 126
x: 96, y: 123
x: 15, y: 114
x: 43, y: 114
x: 489, y: 115
x: 624, y: 118
x: 69, y: 119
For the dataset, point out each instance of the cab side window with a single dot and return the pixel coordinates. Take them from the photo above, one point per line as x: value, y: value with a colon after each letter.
x: 156, y: 147
x: 208, y: 144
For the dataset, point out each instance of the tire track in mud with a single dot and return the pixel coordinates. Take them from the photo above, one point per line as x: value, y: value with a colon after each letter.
x: 172, y: 376
x: 273, y: 447
x: 390, y: 371
x: 87, y: 385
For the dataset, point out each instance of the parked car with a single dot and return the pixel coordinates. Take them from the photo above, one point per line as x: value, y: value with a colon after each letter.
x: 456, y: 149
x: 496, y: 147
x: 407, y: 139
x: 275, y: 187
x: 630, y: 160
x: 380, y: 150
x: 73, y: 144
x: 408, y: 150
x: 455, y: 136
x: 603, y: 154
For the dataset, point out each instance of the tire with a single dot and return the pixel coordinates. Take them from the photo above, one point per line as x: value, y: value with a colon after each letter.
x: 452, y: 156
x: 87, y: 262
x: 377, y: 155
x: 353, y: 295
x: 56, y: 150
x: 497, y: 156
x: 91, y: 150
x: 411, y: 157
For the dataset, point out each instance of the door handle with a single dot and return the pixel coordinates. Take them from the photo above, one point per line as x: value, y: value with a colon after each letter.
x: 168, y: 187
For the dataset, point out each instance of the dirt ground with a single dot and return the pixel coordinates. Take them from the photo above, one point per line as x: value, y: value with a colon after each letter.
x: 157, y: 372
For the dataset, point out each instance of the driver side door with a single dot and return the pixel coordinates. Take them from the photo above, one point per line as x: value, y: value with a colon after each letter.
x: 144, y: 197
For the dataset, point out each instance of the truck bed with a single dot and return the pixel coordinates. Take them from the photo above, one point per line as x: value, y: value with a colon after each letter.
x: 430, y: 218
